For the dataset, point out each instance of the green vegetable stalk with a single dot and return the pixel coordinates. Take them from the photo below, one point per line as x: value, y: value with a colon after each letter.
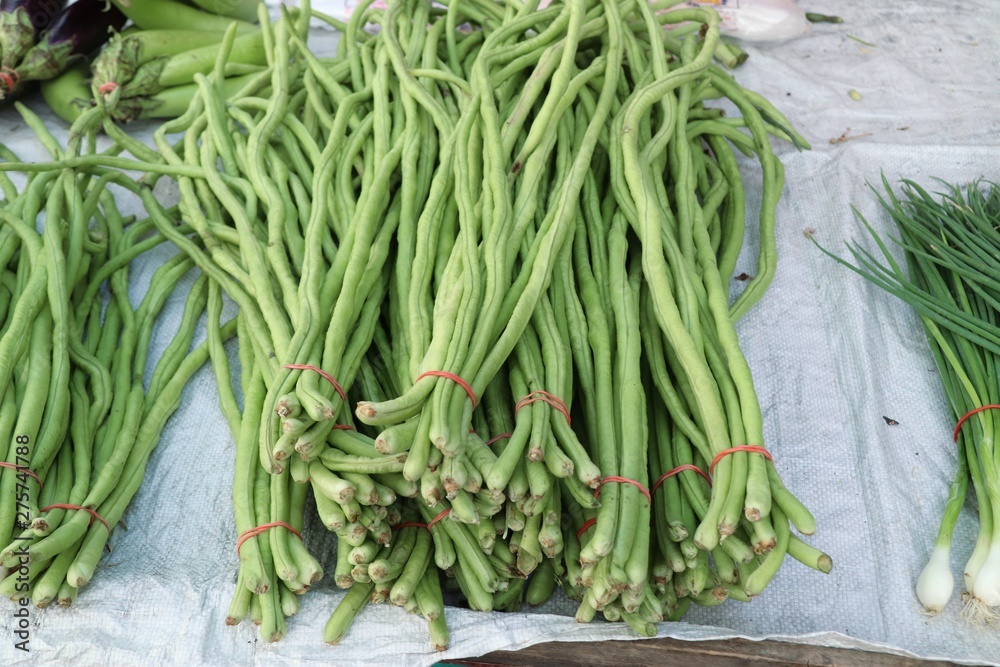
x: 150, y: 74
x: 175, y: 15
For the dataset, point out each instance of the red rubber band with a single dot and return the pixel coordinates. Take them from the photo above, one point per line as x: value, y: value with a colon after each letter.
x: 108, y: 87
x: 10, y: 78
x: 624, y: 480
x: 958, y: 426
x: 438, y: 518
x: 585, y: 527
x: 409, y: 524
x: 498, y: 437
x: 64, y: 506
x: 753, y: 449
x: 254, y: 532
x: 326, y: 376
x: 343, y: 427
x: 22, y: 469
x: 454, y: 378
x: 540, y: 395
x: 679, y: 469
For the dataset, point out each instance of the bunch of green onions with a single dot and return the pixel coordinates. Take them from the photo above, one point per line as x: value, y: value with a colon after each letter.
x: 951, y: 277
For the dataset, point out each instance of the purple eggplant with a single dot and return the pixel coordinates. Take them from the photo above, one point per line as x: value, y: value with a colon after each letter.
x: 22, y: 22
x: 75, y: 31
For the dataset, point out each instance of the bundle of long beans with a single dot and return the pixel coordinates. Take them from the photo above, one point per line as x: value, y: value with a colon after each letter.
x: 510, y: 246
x: 951, y: 277
x: 78, y: 424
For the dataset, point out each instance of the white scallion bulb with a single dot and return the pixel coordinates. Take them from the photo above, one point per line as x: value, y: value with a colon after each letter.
x: 976, y: 560
x: 935, y: 584
x: 986, y: 588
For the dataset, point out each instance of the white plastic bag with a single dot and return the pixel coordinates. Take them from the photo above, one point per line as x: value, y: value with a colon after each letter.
x: 758, y: 20
x: 749, y: 20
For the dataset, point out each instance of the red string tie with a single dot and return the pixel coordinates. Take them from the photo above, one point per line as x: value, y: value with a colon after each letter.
x: 498, y: 437
x: 958, y: 426
x: 93, y: 514
x: 753, y: 449
x: 589, y: 523
x: 417, y: 524
x: 107, y: 88
x: 263, y: 528
x: 20, y: 470
x: 438, y: 518
x: 326, y: 376
x: 409, y: 524
x: 343, y: 427
x: 624, y: 480
x: 454, y: 378
x: 540, y: 395
x: 9, y: 78
x: 679, y: 469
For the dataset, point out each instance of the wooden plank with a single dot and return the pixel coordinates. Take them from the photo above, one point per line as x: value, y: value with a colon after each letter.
x: 659, y: 652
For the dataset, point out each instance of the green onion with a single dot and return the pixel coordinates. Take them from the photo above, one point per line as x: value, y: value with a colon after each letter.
x: 951, y: 245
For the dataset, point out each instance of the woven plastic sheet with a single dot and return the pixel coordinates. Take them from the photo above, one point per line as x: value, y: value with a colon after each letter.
x: 831, y: 355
